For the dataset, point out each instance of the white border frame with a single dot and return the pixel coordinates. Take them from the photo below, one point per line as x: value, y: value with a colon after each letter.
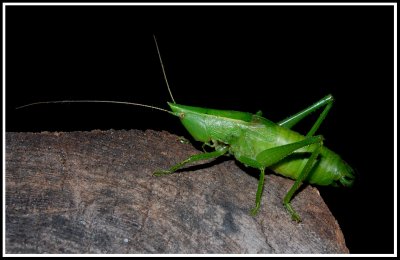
x: 204, y: 4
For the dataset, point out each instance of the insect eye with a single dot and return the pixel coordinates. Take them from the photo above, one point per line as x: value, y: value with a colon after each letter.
x: 181, y: 115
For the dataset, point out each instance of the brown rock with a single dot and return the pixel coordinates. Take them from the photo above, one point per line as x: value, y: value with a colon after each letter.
x: 93, y: 192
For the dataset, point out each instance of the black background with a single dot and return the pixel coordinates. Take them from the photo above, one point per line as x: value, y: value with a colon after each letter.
x: 270, y: 58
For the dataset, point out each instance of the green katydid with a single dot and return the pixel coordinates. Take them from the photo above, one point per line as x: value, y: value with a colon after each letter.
x: 258, y: 143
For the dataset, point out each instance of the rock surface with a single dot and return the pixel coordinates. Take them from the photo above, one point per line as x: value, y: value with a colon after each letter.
x: 93, y: 192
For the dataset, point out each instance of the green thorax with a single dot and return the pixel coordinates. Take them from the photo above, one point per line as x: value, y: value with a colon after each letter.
x: 206, y: 124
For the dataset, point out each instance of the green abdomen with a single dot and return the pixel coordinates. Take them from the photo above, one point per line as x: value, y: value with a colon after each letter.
x: 256, y: 140
x: 323, y: 172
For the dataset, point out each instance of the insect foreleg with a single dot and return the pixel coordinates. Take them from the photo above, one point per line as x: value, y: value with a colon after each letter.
x: 304, y: 173
x: 197, y: 157
x: 293, y: 120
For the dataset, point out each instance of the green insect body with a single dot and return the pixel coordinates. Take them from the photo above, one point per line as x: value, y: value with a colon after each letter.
x: 247, y: 135
x: 258, y: 143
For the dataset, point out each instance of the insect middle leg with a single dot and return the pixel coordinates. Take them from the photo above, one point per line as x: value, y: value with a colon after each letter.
x: 221, y: 150
x: 271, y: 156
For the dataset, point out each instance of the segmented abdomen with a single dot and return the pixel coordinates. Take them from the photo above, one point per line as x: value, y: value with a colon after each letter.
x: 257, y: 138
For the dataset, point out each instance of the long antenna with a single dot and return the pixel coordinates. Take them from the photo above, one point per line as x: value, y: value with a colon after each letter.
x: 111, y: 101
x: 97, y: 101
x: 162, y: 67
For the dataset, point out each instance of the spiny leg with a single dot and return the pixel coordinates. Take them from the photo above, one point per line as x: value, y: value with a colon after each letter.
x: 320, y: 119
x: 293, y: 120
x: 271, y: 156
x: 303, y: 175
x: 253, y: 163
x: 255, y: 210
x: 197, y: 157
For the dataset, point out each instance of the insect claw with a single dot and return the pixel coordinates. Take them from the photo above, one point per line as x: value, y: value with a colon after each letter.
x: 292, y: 212
x: 255, y: 210
x: 296, y: 218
